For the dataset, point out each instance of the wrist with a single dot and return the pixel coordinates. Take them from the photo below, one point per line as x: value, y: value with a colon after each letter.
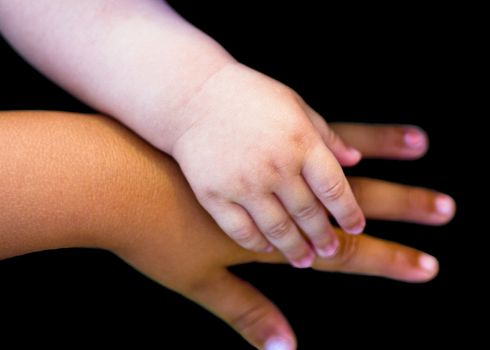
x: 195, y: 104
x: 164, y: 117
x: 137, y: 61
x: 161, y: 75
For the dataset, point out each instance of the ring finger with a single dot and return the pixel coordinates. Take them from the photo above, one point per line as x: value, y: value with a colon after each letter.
x: 277, y: 226
x: 310, y: 215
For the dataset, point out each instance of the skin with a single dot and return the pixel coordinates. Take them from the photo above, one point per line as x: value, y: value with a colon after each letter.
x: 140, y: 62
x: 71, y: 180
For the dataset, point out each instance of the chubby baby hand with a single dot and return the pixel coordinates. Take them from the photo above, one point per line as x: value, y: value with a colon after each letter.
x: 266, y: 166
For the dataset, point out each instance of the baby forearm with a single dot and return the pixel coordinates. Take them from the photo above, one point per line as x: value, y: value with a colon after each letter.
x: 68, y: 180
x: 125, y: 58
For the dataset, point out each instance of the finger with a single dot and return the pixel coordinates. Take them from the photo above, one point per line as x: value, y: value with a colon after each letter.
x: 346, y: 155
x: 384, y: 141
x: 325, y: 177
x: 309, y: 214
x: 237, y: 223
x: 389, y: 201
x: 275, y: 223
x: 245, y: 309
x: 366, y: 255
x: 371, y: 256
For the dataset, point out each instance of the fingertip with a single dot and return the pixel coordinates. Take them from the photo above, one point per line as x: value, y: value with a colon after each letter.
x: 441, y: 209
x: 414, y: 138
x: 354, y: 154
x: 329, y: 250
x: 445, y: 206
x: 424, y: 268
x: 268, y: 249
x: 428, y: 266
x: 279, y: 343
x: 357, y: 228
x: 428, y: 263
x: 305, y: 261
x: 415, y: 141
x: 244, y: 308
x: 350, y: 157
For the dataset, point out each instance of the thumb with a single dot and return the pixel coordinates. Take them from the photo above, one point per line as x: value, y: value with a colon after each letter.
x: 246, y: 310
x: 346, y: 155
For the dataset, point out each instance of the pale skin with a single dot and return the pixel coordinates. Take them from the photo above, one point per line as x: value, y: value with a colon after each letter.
x: 141, y: 63
x: 71, y: 180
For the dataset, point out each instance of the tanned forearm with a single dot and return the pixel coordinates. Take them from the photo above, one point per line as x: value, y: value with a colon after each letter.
x: 70, y: 180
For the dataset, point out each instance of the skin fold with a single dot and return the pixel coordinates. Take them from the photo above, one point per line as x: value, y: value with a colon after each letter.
x: 71, y: 180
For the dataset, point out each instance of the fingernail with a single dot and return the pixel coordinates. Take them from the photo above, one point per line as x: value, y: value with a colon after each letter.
x: 444, y: 205
x: 428, y: 263
x: 414, y: 138
x: 329, y: 250
x: 278, y: 343
x: 268, y: 248
x: 354, y: 153
x: 305, y: 262
x: 357, y: 229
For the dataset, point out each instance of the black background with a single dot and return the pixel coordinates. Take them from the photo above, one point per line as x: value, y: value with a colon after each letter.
x: 368, y: 64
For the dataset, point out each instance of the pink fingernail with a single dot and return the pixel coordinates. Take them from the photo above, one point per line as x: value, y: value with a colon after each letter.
x: 444, y: 205
x: 305, y: 262
x: 269, y: 249
x: 357, y: 229
x: 354, y: 153
x: 278, y: 343
x: 414, y: 138
x: 329, y: 250
x: 428, y: 263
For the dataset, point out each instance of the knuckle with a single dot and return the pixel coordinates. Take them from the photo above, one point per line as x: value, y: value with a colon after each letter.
x: 394, y: 258
x: 347, y: 250
x: 417, y: 199
x: 299, y: 139
x: 243, y: 235
x: 332, y: 191
x: 297, y: 97
x: 286, y: 92
x: 380, y: 142
x: 206, y: 194
x: 306, y: 212
x: 388, y: 137
x: 278, y: 230
x: 242, y: 186
x: 250, y: 317
x: 282, y: 168
x: 277, y: 169
x: 197, y: 286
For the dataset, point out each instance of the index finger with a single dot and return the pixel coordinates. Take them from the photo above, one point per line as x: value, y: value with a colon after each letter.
x: 387, y: 141
x: 326, y: 179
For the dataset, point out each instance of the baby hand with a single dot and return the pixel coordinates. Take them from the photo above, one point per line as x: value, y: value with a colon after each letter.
x: 263, y: 163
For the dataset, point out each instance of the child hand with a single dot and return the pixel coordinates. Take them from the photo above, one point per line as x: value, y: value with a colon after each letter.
x: 263, y: 164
